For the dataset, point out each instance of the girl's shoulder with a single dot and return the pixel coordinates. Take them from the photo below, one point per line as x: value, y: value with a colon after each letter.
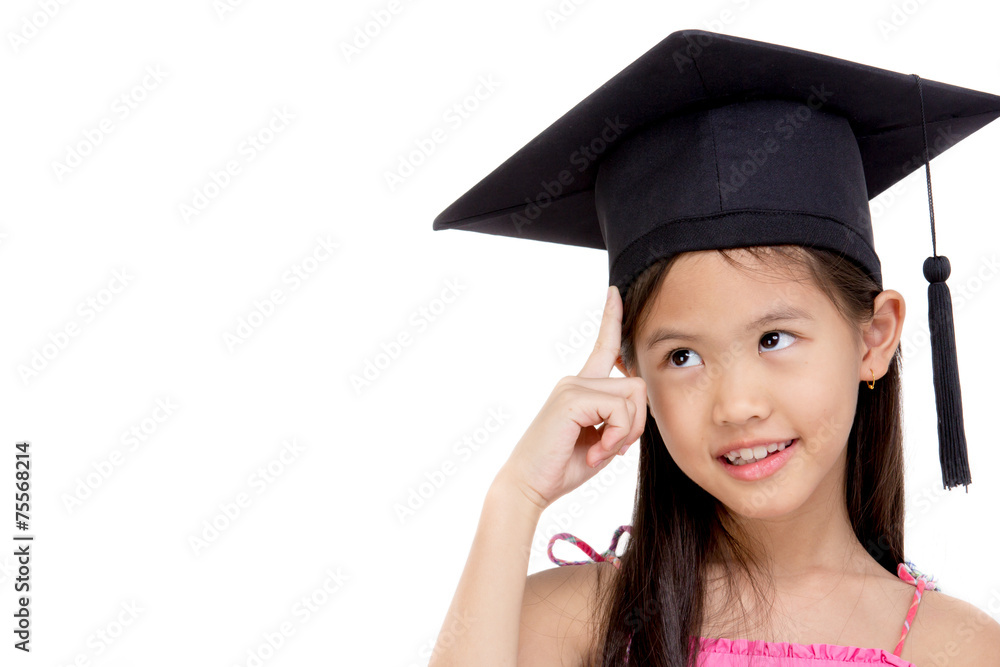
x: 559, y: 613
x: 948, y: 630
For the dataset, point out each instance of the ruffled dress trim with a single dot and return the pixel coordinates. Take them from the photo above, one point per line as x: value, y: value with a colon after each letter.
x: 722, y: 652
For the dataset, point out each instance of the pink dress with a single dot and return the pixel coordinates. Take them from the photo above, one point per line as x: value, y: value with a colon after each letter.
x: 721, y: 652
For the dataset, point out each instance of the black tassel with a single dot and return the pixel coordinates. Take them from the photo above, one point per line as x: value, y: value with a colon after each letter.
x: 952, y: 447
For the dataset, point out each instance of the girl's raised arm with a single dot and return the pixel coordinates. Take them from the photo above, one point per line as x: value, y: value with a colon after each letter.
x: 561, y: 450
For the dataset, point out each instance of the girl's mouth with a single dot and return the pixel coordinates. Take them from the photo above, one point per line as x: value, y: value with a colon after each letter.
x: 760, y: 468
x: 748, y: 456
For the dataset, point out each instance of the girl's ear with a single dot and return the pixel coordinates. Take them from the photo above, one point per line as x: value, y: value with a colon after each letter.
x: 881, y: 337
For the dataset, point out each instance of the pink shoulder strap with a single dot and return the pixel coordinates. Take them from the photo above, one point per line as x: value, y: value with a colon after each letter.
x: 908, y: 572
x: 610, y: 555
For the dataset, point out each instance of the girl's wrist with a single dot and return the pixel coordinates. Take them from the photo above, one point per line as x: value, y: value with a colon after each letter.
x: 506, y: 491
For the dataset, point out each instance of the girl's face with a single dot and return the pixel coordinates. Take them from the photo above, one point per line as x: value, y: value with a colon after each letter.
x: 717, y: 373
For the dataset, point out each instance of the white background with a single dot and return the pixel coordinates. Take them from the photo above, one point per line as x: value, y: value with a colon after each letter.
x: 525, y: 313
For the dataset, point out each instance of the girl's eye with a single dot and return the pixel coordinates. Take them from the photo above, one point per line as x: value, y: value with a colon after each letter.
x: 677, y: 358
x: 681, y: 355
x: 772, y: 337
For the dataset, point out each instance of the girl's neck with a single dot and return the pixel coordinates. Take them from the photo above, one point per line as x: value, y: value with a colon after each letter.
x: 813, y: 544
x: 815, y: 562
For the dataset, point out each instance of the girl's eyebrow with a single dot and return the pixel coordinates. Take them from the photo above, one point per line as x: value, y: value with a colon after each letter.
x: 782, y: 314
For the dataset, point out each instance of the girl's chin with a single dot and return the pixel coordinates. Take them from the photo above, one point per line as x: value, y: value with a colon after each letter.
x: 757, y: 505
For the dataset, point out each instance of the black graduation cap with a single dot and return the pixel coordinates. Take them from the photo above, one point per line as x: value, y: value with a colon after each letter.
x: 713, y: 141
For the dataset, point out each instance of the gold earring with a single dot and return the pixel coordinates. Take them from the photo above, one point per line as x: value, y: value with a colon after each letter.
x: 871, y: 385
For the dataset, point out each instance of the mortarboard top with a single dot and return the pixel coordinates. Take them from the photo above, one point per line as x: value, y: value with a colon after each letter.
x: 714, y: 141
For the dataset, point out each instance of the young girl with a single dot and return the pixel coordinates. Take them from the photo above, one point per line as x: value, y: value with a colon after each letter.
x: 761, y: 360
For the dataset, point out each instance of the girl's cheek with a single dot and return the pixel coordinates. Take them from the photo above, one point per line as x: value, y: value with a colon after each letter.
x: 673, y: 409
x: 681, y: 393
x: 672, y: 387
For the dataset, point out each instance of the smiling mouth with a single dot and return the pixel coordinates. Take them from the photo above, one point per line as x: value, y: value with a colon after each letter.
x: 746, y: 456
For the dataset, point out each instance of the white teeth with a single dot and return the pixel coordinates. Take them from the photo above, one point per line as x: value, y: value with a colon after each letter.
x: 747, y: 455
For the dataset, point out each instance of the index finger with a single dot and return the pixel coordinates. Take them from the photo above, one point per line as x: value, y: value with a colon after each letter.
x: 609, y: 339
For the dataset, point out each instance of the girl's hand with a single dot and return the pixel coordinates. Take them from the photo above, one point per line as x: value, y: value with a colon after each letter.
x: 562, y: 449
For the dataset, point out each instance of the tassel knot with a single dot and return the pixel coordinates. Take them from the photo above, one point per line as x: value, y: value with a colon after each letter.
x: 937, y: 269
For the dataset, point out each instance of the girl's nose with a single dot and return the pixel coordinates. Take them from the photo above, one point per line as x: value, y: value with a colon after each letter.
x: 740, y: 393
